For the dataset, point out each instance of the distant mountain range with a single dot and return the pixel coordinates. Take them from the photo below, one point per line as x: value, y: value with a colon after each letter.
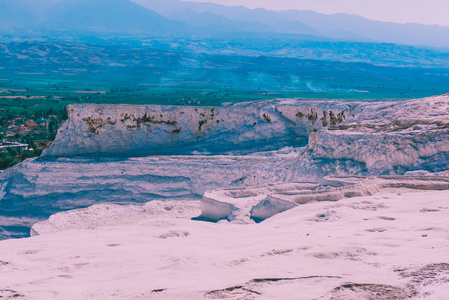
x: 192, y: 19
x: 119, y: 16
x: 336, y: 26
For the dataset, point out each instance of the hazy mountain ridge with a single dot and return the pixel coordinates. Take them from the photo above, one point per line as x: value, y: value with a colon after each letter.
x: 190, y: 19
x: 148, y: 52
x: 339, y: 26
x: 84, y: 15
x: 310, y: 47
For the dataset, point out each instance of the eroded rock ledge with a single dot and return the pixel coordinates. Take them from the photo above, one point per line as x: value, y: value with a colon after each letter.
x: 242, y: 128
x: 262, y: 202
x: 341, y: 137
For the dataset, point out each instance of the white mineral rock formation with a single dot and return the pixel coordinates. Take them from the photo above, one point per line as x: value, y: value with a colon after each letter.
x: 392, y: 245
x: 342, y: 137
x: 242, y: 128
x: 134, y: 154
x: 123, y: 185
x: 263, y: 202
x: 40, y: 187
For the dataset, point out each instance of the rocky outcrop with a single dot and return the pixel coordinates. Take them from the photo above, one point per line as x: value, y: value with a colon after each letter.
x: 342, y: 137
x: 134, y: 154
x: 262, y: 202
x: 382, y: 137
x: 127, y: 130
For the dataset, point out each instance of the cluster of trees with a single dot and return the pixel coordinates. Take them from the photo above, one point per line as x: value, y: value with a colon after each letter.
x: 11, y: 157
x: 8, y: 160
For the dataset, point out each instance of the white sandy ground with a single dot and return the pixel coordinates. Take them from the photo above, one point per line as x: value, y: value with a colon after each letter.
x: 393, y: 245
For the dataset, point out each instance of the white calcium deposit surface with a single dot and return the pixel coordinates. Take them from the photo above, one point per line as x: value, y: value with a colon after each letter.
x: 389, y: 246
x: 355, y: 197
x: 134, y: 154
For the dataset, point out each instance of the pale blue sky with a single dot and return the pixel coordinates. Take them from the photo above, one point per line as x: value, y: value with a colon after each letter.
x: 402, y: 11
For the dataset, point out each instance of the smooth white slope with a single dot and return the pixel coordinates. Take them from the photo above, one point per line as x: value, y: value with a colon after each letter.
x: 396, y: 242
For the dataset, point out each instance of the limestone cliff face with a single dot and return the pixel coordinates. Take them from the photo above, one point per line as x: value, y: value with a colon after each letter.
x: 384, y: 137
x: 342, y: 137
x: 106, y: 130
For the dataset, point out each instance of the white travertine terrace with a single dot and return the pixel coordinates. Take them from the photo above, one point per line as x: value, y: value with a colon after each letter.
x: 263, y: 202
x: 118, y: 194
x: 135, y: 154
